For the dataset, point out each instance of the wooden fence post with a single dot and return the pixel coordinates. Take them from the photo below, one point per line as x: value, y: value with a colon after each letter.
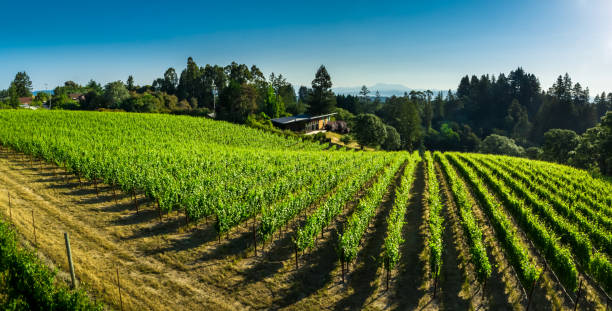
x: 342, y: 263
x: 119, y: 287
x: 484, y: 284
x: 578, y: 295
x: 435, y: 281
x: 296, y: 257
x: 34, y: 227
x: 535, y: 282
x: 69, y: 254
x: 254, y: 237
x: 10, y: 207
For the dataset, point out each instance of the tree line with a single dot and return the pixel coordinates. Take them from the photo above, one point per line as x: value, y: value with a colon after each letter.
x: 508, y: 114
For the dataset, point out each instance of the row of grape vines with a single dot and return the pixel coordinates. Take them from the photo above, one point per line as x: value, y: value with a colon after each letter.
x: 395, y: 220
x: 533, y: 212
x: 470, y: 226
x: 435, y: 219
x: 196, y: 165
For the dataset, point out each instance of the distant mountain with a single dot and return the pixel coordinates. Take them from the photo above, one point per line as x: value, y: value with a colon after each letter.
x: 385, y: 89
x: 42, y: 91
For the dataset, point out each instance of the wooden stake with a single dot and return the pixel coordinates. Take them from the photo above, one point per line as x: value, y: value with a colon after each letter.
x: 578, y: 295
x: 484, y: 284
x: 435, y: 283
x: 136, y: 202
x: 10, y: 207
x: 342, y: 264
x: 388, y: 275
x: 160, y: 211
x: 255, y: 237
x: 119, y: 287
x: 69, y: 254
x: 115, y: 197
x: 535, y: 282
x: 34, y: 226
x: 296, y: 257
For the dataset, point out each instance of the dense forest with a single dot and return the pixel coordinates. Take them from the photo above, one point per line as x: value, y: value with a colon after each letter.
x: 505, y: 114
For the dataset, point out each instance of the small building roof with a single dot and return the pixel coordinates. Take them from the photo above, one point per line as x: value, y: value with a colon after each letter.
x: 299, y: 117
x: 25, y: 100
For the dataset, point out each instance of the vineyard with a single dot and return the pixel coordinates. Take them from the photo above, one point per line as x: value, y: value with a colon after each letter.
x: 176, y: 212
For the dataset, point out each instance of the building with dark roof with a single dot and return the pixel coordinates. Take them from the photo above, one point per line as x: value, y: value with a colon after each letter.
x: 303, y: 122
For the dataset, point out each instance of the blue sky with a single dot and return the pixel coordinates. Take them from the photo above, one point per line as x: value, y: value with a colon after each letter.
x: 420, y: 44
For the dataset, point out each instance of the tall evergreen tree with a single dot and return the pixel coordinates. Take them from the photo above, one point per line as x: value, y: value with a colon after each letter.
x: 321, y: 98
x: 22, y: 84
x: 170, y: 81
x: 130, y: 83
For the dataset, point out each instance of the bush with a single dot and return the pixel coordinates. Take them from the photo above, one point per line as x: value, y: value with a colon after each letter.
x: 534, y: 153
x: 27, y: 284
x: 346, y: 139
x: 497, y: 144
x: 558, y: 144
x: 369, y: 130
x: 392, y: 141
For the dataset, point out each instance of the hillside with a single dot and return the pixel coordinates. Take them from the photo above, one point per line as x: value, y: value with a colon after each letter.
x: 198, y: 214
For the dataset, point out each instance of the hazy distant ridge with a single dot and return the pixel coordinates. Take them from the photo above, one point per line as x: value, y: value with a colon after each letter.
x: 385, y: 89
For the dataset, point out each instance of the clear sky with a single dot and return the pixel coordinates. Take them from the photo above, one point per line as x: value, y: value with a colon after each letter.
x: 420, y: 44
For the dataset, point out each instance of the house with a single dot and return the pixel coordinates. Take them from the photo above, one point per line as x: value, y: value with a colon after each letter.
x: 26, y: 100
x: 77, y: 96
x: 303, y: 122
x: 26, y: 103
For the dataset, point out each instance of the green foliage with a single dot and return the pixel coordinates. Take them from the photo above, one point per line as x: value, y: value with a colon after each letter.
x: 534, y: 153
x: 497, y: 144
x: 359, y: 221
x: 273, y: 106
x: 392, y: 140
x: 593, y: 150
x: 42, y: 97
x: 346, y: 139
x: 22, y: 85
x: 446, y: 139
x: 517, y: 121
x: 335, y: 203
x: 62, y: 101
x: 395, y: 220
x: 435, y: 220
x: 558, y: 144
x: 13, y: 100
x: 370, y: 130
x: 321, y: 99
x: 470, y: 225
x: 27, y: 284
x: 240, y: 101
x: 504, y: 230
x: 187, y: 170
x: 531, y: 213
x: 345, y: 115
x: 130, y: 83
x: 403, y: 115
x: 114, y: 94
x: 71, y: 87
x: 315, y: 183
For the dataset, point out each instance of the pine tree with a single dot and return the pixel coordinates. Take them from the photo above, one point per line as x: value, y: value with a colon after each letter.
x: 321, y: 98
